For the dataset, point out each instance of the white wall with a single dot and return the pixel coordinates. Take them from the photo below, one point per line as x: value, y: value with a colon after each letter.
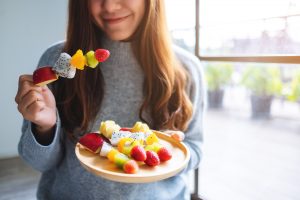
x: 27, y: 28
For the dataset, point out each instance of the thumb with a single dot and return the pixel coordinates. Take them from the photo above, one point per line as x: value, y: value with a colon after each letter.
x: 48, y: 97
x: 177, y: 135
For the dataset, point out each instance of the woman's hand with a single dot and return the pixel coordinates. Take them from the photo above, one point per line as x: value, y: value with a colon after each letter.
x: 177, y: 135
x: 36, y: 104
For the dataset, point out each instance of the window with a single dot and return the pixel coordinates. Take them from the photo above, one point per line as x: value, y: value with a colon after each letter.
x: 181, y: 22
x: 246, y: 47
x: 234, y: 30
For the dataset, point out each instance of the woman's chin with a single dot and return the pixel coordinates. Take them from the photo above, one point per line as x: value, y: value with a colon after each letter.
x: 120, y: 36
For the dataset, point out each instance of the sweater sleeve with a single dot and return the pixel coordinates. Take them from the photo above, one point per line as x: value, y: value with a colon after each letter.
x: 35, y: 154
x: 40, y: 157
x: 197, y: 92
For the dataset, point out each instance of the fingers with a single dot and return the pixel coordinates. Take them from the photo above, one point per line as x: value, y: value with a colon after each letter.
x: 29, y: 99
x: 32, y: 111
x: 177, y: 135
x: 25, y: 86
x: 25, y: 77
x: 36, y: 103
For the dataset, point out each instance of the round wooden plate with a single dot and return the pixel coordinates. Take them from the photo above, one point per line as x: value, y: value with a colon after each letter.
x: 101, y: 166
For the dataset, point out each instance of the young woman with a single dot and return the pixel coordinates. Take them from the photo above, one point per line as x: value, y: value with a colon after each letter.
x: 145, y: 79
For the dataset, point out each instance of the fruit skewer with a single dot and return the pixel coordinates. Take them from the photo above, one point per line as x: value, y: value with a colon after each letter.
x: 139, y: 142
x: 66, y: 66
x: 94, y: 143
x: 140, y: 131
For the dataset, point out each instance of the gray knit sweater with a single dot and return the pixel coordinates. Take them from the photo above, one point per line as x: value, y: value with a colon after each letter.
x: 62, y: 175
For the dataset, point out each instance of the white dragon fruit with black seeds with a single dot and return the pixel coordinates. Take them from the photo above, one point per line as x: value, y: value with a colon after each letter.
x: 137, y: 136
x: 118, y: 135
x: 105, y: 149
x: 62, y: 66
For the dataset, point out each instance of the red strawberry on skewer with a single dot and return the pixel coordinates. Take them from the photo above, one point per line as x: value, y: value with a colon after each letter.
x: 138, y: 153
x: 101, y: 54
x: 164, y: 154
x: 152, y: 159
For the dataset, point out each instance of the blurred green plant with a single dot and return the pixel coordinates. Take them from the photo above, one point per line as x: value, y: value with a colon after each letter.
x: 262, y: 81
x: 293, y: 91
x: 218, y: 75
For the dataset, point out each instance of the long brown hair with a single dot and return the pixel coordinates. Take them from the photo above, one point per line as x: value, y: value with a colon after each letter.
x: 165, y: 79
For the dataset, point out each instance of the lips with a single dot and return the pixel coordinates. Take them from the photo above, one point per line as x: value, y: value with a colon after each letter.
x: 114, y: 20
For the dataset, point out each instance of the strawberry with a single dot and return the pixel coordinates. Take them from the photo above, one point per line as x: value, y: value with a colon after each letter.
x: 101, y: 54
x: 125, y: 129
x: 130, y: 167
x: 164, y: 154
x: 138, y: 153
x: 92, y: 142
x: 152, y: 158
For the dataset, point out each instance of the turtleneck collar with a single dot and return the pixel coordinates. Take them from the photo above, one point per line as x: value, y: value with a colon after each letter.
x: 108, y: 43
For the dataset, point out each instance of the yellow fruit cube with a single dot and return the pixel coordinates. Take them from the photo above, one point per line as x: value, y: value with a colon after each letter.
x: 111, y: 155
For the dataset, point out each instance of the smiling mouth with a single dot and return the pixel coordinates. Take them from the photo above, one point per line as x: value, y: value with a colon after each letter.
x: 115, y: 20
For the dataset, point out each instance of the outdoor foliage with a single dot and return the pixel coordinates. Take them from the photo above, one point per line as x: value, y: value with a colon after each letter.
x: 218, y: 75
x: 262, y: 81
x: 293, y: 93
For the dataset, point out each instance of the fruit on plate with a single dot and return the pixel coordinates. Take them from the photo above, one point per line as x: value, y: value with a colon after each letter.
x: 140, y: 127
x: 132, y: 148
x: 106, y: 148
x: 92, y: 142
x: 151, y: 138
x: 117, y: 136
x: 102, y: 54
x: 131, y: 167
x: 152, y: 158
x: 111, y: 154
x: 163, y: 153
x: 95, y: 143
x: 44, y: 75
x: 134, y: 142
x: 153, y: 147
x: 138, y: 153
x: 125, y: 129
x: 108, y: 127
x: 119, y: 159
x: 126, y: 147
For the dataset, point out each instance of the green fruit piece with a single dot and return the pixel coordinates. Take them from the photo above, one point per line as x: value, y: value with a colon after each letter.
x: 153, y: 147
x: 127, y: 150
x: 157, y: 147
x: 91, y: 60
x: 120, y: 159
x: 149, y: 147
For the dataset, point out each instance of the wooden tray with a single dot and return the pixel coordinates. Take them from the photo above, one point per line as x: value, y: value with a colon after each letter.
x: 101, y: 166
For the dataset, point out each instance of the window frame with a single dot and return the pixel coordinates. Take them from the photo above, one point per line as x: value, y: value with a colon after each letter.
x: 275, y: 58
x: 283, y: 59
